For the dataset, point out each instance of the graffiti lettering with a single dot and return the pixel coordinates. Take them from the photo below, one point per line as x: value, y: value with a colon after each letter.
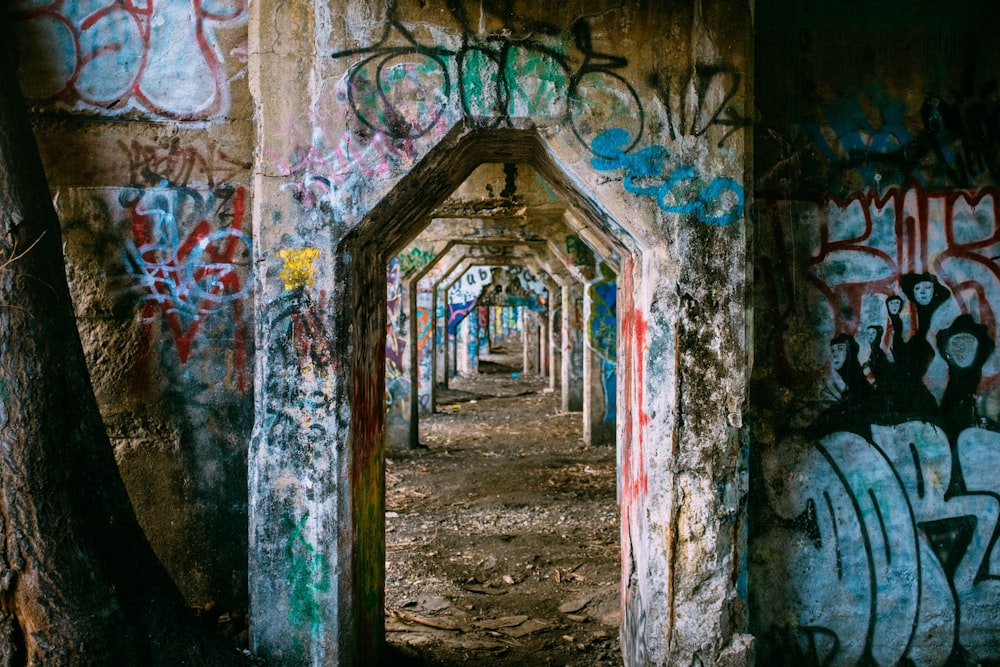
x: 153, y: 165
x: 192, y: 277
x: 403, y: 91
x: 163, y: 58
x: 704, y: 80
x: 682, y: 191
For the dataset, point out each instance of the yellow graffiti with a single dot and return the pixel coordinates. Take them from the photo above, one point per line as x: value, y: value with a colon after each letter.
x: 298, y: 270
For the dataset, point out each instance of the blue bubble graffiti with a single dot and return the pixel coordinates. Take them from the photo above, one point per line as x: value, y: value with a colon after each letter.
x: 681, y: 190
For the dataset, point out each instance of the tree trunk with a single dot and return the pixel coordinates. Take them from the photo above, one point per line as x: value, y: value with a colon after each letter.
x: 79, y: 584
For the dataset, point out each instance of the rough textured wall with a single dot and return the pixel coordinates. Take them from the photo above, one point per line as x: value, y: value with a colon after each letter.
x: 142, y: 115
x: 876, y: 507
x: 371, y: 114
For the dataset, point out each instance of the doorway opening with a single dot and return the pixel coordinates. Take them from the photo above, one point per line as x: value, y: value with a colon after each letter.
x: 365, y: 252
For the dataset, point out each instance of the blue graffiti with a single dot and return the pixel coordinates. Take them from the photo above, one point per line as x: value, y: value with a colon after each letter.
x: 866, y: 131
x: 682, y: 190
x: 457, y: 312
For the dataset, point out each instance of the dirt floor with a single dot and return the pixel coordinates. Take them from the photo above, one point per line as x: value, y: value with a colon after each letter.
x: 502, y: 534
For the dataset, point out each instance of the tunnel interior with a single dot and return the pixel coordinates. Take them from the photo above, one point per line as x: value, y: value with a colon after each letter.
x: 457, y: 238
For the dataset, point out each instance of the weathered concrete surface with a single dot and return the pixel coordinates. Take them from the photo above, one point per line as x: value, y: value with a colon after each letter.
x: 267, y: 122
x: 874, y: 437
x: 680, y: 245
x: 144, y: 124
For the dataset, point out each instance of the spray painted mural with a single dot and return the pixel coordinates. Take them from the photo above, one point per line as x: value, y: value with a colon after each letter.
x: 166, y: 58
x: 878, y: 519
x: 602, y: 336
x: 405, y: 93
x: 191, y: 257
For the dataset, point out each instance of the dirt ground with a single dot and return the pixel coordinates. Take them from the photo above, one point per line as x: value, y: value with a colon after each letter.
x: 501, y: 534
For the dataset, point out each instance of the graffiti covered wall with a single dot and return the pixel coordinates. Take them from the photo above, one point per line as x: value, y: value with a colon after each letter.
x: 875, y: 511
x: 141, y: 115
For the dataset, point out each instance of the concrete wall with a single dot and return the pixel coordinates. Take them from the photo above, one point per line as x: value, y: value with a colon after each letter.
x: 144, y: 122
x: 875, y: 432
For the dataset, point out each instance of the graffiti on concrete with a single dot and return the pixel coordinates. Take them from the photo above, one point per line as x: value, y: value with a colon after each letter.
x: 687, y: 101
x: 414, y: 259
x: 190, y: 256
x: 309, y: 573
x: 297, y: 267
x: 679, y: 189
x: 396, y: 378
x: 886, y: 480
x: 951, y: 140
x: 164, y: 58
x: 579, y: 252
x: 152, y: 164
x: 602, y: 335
x: 633, y: 479
x: 402, y: 88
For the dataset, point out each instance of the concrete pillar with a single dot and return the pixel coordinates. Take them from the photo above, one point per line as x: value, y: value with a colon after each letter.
x: 530, y: 342
x: 468, y: 344
x: 555, y: 345
x: 543, y: 344
x: 572, y: 348
x: 440, y: 305
x: 424, y: 367
x: 599, y: 382
x: 453, y: 346
x: 485, y: 340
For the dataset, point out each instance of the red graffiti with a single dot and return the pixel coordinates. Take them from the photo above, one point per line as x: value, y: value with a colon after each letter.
x: 945, y: 232
x: 311, y: 339
x: 634, y: 481
x: 163, y: 57
x: 191, y: 279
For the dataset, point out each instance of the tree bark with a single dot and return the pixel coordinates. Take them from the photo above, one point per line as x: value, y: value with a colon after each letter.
x: 79, y: 584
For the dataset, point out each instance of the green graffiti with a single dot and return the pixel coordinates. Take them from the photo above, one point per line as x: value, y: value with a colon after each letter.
x: 538, y: 82
x: 309, y: 574
x: 579, y: 252
x: 414, y: 259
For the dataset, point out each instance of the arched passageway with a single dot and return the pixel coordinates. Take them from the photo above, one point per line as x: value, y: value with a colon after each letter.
x: 380, y: 237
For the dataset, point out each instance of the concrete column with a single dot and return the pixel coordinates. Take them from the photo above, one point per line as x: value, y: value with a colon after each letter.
x: 543, y: 344
x: 453, y: 346
x: 485, y: 340
x: 572, y: 348
x: 468, y: 344
x: 530, y: 342
x: 555, y: 346
x: 424, y: 366
x: 440, y: 305
x: 598, y: 363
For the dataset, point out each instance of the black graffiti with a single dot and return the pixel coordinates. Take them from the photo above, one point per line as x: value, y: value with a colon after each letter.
x: 483, y: 71
x: 704, y: 116
x: 896, y: 391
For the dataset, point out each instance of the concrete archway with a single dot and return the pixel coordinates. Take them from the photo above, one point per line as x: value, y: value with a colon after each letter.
x: 327, y: 565
x: 399, y: 217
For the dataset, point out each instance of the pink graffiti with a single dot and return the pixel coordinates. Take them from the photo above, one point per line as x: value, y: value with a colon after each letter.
x: 159, y: 56
x: 360, y: 152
